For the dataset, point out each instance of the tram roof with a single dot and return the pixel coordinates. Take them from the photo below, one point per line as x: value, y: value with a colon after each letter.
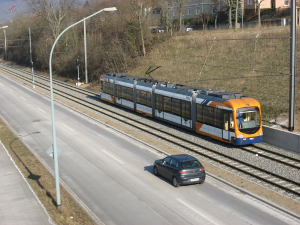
x: 178, y: 88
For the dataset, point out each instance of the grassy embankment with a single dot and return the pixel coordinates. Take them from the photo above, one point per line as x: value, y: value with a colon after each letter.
x: 254, y: 62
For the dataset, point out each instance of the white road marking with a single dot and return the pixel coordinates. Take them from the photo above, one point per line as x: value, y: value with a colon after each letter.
x: 196, y: 211
x: 113, y: 157
x: 68, y: 127
x: 41, y: 110
x: 23, y: 98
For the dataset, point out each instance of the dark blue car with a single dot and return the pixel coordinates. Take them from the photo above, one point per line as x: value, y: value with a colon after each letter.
x: 180, y: 169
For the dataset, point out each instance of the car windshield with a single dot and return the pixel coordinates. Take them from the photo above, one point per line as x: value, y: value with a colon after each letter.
x: 248, y: 119
x: 191, y: 164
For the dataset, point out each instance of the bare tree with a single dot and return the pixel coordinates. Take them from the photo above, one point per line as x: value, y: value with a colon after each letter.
x: 53, y: 11
x: 204, y: 18
x: 179, y: 4
x: 217, y: 6
x: 229, y: 5
x: 258, y: 3
x: 141, y: 10
x: 167, y: 16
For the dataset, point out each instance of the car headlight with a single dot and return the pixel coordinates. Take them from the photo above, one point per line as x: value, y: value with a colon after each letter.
x: 240, y: 136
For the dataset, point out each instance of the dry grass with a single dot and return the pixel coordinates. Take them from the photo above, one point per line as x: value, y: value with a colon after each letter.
x: 250, y: 61
x: 42, y: 182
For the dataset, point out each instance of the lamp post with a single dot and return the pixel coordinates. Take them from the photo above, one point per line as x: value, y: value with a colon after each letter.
x: 77, y: 64
x: 58, y: 202
x: 5, y: 55
x: 85, y: 54
x: 293, y: 46
x: 31, y: 63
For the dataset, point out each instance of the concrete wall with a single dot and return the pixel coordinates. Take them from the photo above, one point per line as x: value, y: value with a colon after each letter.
x: 281, y: 138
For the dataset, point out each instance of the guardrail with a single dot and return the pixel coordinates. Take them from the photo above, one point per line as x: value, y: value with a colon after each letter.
x: 281, y: 138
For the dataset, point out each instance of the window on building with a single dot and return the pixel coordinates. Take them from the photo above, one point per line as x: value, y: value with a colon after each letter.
x: 189, y: 11
x: 286, y: 3
x: 250, y: 2
x: 197, y: 10
x: 213, y: 11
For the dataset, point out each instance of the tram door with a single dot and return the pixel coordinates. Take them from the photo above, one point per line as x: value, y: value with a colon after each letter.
x: 226, y: 132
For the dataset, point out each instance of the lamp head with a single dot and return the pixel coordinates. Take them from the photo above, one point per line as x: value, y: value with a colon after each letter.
x: 111, y: 9
x: 3, y: 27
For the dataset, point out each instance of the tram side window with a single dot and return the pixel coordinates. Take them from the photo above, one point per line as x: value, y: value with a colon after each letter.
x: 129, y: 93
x: 143, y: 97
x: 167, y: 104
x: 231, y: 121
x: 119, y: 91
x: 186, y: 110
x: 208, y: 115
x: 107, y: 87
x: 159, y: 102
x: 176, y: 107
x: 199, y: 113
x: 124, y: 92
x: 219, y: 119
x: 101, y: 86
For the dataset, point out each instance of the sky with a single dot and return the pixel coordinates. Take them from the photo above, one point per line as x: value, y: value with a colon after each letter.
x: 20, y: 7
x: 5, y: 12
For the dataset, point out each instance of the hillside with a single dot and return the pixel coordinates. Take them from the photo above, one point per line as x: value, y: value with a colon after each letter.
x: 252, y: 62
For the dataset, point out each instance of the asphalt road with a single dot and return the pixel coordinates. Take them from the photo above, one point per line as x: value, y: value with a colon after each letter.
x: 112, y: 174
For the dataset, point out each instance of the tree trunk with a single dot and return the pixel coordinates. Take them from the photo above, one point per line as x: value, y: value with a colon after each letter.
x: 236, y: 15
x: 229, y: 18
x: 258, y: 14
x: 142, y: 36
x: 180, y: 19
x: 216, y: 21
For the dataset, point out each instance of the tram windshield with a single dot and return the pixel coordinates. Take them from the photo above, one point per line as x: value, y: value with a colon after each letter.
x: 248, y: 119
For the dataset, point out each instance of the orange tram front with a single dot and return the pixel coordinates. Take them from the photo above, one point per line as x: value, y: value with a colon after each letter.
x: 222, y: 115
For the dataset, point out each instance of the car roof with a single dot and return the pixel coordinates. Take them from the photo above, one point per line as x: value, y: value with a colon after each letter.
x: 183, y: 157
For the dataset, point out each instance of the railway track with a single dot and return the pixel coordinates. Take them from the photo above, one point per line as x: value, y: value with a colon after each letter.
x: 272, y: 155
x: 282, y: 184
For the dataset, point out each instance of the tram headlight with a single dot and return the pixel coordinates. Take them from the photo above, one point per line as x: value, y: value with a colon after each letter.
x: 261, y: 134
x: 240, y: 136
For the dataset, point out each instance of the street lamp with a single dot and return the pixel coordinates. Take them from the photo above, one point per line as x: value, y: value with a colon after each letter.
x: 31, y: 63
x: 5, y: 55
x: 111, y: 9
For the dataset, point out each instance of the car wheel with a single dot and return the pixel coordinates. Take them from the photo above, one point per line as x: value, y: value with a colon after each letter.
x: 175, y: 182
x: 155, y: 171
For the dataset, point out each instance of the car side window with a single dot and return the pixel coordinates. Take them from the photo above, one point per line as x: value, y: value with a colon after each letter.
x: 167, y: 160
x: 174, y: 163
